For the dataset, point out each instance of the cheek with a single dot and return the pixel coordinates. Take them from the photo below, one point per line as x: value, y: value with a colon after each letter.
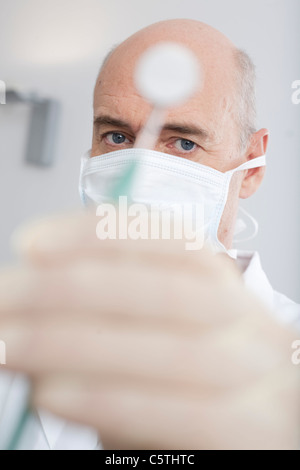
x: 233, y: 194
x: 235, y: 184
x: 95, y: 147
x: 227, y: 223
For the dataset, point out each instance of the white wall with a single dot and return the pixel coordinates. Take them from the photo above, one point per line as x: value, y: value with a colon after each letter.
x: 55, y: 47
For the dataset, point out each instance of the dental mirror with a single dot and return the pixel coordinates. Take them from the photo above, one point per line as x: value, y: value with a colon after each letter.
x: 166, y: 75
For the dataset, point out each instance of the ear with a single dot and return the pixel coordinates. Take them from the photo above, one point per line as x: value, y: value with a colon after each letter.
x: 254, y: 177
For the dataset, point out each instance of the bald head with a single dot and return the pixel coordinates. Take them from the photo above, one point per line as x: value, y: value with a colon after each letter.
x: 201, y: 38
x: 229, y: 70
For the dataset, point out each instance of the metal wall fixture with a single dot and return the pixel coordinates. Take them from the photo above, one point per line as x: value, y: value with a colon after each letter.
x: 43, y: 127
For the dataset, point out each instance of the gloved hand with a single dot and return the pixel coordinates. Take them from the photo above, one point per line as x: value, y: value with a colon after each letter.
x: 155, y: 346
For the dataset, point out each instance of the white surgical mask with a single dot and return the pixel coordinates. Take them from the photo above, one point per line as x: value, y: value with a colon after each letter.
x: 162, y: 181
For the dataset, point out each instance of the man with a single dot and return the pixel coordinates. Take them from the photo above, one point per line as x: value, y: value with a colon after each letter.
x: 153, y: 346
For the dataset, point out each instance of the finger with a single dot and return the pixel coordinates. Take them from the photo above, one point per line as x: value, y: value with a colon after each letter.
x: 59, y: 238
x: 67, y: 234
x: 265, y: 416
x: 220, y: 360
x: 117, y: 289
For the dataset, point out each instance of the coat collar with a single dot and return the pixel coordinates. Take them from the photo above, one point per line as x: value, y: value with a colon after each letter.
x: 254, y: 276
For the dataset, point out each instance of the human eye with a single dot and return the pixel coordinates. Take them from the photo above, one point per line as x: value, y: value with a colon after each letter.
x: 185, y: 145
x: 116, y: 138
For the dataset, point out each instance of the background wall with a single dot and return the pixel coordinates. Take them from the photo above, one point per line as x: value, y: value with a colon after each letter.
x: 55, y: 47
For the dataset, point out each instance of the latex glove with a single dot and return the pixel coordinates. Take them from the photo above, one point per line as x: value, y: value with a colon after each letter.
x: 155, y: 346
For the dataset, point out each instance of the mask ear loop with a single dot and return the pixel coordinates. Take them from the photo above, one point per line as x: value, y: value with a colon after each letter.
x: 84, y: 159
x: 254, y: 227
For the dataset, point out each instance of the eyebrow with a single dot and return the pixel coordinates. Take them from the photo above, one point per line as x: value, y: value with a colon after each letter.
x: 188, y: 130
x: 179, y: 128
x: 109, y: 121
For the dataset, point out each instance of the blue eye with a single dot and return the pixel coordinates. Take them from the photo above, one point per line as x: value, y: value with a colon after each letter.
x: 116, y: 138
x: 184, y: 144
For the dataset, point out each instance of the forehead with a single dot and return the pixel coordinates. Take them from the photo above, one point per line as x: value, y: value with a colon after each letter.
x: 115, y: 91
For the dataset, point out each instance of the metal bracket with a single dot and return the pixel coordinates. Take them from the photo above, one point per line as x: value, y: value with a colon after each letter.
x: 43, y: 126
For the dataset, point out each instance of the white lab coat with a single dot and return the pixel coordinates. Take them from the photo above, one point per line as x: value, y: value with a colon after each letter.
x: 55, y: 434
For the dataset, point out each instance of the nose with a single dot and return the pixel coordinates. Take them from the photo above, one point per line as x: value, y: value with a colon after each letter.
x: 149, y: 134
